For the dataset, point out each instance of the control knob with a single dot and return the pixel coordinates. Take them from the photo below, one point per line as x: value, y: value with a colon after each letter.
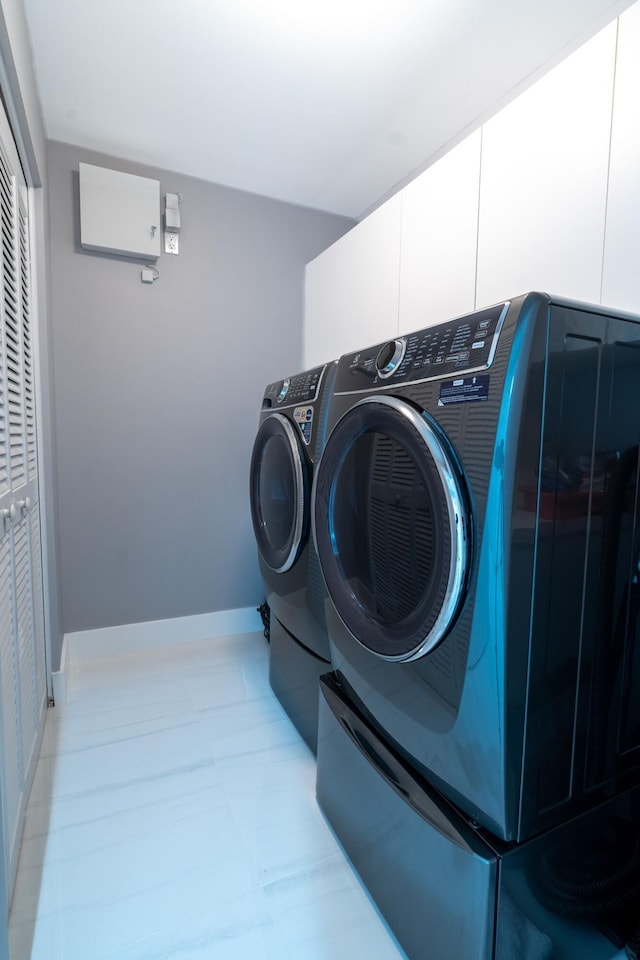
x: 390, y: 357
x: 283, y: 390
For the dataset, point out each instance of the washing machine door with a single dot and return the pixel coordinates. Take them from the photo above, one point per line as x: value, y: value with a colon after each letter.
x: 279, y: 492
x: 392, y: 527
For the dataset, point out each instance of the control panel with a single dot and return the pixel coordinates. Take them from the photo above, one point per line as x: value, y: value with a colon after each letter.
x: 449, y: 349
x: 303, y: 388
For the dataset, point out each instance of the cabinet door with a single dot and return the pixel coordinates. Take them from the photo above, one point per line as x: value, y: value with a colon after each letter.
x: 24, y: 639
x: 119, y: 212
x: 439, y: 239
x: 11, y: 770
x: 543, y: 182
x: 621, y: 276
x: 27, y: 540
x: 22, y: 645
x: 351, y: 290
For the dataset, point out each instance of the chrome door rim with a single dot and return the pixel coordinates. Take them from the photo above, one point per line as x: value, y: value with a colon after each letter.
x: 457, y: 521
x: 298, y: 524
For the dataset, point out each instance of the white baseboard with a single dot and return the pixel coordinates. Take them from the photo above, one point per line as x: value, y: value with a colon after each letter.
x: 154, y: 634
x: 59, y: 677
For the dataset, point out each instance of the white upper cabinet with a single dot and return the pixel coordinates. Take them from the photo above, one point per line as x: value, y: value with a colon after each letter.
x: 439, y: 239
x: 351, y: 289
x: 544, y: 181
x: 621, y: 274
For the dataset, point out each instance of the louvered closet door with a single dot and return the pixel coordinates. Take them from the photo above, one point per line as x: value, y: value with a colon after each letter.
x: 22, y: 644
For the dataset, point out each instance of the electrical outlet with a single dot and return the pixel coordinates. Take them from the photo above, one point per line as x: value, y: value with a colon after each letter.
x: 171, y: 244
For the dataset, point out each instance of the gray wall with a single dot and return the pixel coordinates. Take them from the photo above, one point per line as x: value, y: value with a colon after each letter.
x: 157, y: 391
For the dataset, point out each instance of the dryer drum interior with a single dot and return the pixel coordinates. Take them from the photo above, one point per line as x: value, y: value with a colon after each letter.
x: 392, y: 527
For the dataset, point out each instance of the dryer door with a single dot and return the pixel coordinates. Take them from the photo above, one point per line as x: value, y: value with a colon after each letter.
x: 392, y: 527
x: 279, y: 492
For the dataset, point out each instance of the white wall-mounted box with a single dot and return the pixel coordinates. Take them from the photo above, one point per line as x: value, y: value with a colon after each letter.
x: 119, y: 213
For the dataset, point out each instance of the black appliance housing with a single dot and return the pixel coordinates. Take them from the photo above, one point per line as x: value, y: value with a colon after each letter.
x: 476, y: 514
x: 450, y: 889
x: 288, y: 443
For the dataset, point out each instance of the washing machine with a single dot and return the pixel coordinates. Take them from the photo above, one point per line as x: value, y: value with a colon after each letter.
x: 288, y: 443
x: 476, y: 520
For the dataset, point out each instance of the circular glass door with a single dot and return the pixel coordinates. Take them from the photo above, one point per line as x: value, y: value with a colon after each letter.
x: 392, y: 528
x: 279, y: 493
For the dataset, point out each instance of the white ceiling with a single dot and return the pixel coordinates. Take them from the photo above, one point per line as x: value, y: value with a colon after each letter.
x: 326, y: 103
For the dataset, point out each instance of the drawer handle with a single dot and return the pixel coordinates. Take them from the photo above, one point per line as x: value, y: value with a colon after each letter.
x: 374, y: 756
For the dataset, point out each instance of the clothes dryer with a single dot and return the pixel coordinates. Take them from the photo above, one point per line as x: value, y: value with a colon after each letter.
x: 287, y: 445
x: 476, y: 518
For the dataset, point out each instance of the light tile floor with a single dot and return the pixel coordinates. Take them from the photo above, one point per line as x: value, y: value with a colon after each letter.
x: 173, y: 815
